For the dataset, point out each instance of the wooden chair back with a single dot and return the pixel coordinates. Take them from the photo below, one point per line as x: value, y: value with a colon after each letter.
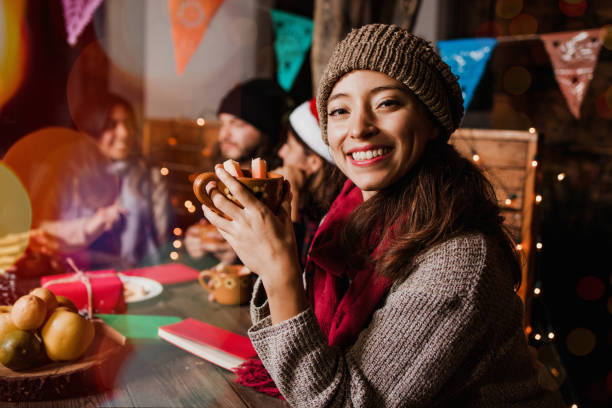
x: 509, y: 160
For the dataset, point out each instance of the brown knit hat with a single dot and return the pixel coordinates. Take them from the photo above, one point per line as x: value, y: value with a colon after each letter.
x: 402, y: 56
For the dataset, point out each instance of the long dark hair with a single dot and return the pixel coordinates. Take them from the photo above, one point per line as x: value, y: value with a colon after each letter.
x: 443, y: 196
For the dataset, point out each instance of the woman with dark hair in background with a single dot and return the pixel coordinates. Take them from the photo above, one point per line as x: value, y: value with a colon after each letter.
x: 146, y: 211
x: 309, y: 167
x: 129, y: 231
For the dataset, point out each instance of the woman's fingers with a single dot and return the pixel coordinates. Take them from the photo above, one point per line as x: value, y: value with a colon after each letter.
x: 215, y: 219
x: 210, y: 185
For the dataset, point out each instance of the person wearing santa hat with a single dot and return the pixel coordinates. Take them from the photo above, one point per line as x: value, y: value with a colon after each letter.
x: 309, y: 167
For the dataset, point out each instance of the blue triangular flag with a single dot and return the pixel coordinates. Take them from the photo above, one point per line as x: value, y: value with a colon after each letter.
x: 293, y: 39
x: 467, y: 59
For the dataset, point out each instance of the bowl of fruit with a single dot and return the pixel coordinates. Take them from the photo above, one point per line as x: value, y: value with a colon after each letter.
x: 48, y: 349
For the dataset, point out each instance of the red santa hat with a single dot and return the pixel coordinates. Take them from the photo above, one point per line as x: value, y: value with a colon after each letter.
x: 305, y: 122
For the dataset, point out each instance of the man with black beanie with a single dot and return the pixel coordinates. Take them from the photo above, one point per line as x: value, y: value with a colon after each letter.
x: 252, y: 116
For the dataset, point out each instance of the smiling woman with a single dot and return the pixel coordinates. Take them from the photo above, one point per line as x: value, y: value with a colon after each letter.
x: 411, y: 279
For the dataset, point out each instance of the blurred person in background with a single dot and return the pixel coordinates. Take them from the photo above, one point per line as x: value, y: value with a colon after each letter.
x: 252, y: 125
x: 309, y: 167
x: 131, y: 230
x: 144, y: 201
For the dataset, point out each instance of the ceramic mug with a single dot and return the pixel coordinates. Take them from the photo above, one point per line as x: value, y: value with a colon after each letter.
x: 230, y: 284
x: 269, y: 190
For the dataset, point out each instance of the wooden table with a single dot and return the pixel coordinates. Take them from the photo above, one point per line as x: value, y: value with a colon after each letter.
x: 158, y: 374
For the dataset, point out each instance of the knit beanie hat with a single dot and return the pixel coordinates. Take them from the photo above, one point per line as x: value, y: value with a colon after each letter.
x: 304, y: 121
x: 260, y: 102
x: 402, y: 56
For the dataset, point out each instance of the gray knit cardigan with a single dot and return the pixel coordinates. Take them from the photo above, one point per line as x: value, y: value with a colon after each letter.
x: 449, y: 335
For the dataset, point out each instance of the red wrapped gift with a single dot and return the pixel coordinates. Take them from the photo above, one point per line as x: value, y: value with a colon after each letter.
x: 94, y: 291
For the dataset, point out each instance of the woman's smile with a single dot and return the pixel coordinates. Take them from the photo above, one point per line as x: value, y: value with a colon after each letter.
x: 369, y: 155
x: 377, y: 129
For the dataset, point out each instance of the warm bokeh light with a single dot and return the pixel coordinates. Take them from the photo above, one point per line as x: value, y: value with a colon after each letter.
x: 523, y: 24
x: 91, y: 68
x: 508, y: 201
x: 581, y: 341
x: 177, y: 243
x: 201, y: 121
x: 174, y: 255
x: 191, y: 210
x: 517, y: 80
x: 534, y: 163
x: 15, y: 217
x: 519, y: 247
x: 537, y: 291
x: 164, y: 171
x: 172, y: 141
x: 551, y: 335
x: 207, y: 152
x: 532, y: 130
x: 13, y: 47
x: 61, y: 168
x: 573, y: 8
x: 177, y: 231
x: 590, y: 288
x: 475, y: 157
x: 508, y: 8
x: 561, y: 176
x: 538, y: 199
x: 539, y: 245
x: 537, y: 336
x: 188, y: 203
x: 15, y: 207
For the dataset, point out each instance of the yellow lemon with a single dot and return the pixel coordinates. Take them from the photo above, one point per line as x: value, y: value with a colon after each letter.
x: 64, y: 301
x: 29, y: 312
x: 67, y: 335
x: 48, y: 297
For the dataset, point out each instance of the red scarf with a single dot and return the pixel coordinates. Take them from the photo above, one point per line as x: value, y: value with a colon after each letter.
x: 343, y: 300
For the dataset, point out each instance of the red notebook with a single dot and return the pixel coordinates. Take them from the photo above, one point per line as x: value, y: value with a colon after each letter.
x: 219, y: 346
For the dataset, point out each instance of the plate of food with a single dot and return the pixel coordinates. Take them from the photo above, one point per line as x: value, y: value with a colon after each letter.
x: 138, y: 289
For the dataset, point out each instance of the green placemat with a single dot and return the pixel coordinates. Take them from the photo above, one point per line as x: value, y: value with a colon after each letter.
x: 137, y: 326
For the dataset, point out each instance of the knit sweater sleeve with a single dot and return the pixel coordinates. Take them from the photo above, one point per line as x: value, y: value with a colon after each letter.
x: 414, y: 343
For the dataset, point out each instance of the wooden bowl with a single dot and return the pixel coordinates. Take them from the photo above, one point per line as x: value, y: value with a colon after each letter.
x: 94, y: 372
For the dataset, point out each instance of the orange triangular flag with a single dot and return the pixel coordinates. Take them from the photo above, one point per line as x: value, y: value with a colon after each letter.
x: 573, y: 56
x: 189, y: 20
